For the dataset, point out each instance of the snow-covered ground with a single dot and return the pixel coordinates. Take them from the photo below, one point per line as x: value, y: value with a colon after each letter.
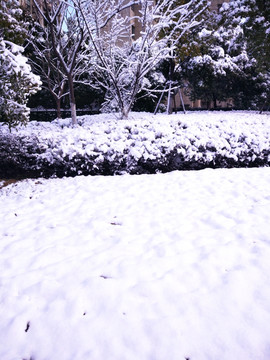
x: 147, y: 267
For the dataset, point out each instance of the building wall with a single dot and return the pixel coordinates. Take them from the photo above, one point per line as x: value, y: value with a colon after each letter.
x: 29, y: 7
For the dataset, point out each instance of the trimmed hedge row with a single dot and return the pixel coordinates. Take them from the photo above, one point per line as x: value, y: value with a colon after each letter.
x: 24, y: 156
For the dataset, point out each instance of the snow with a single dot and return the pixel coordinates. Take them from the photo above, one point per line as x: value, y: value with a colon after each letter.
x: 17, y: 83
x: 166, y: 266
x: 240, y: 136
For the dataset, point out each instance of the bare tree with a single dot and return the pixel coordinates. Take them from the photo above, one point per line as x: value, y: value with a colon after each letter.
x: 59, y: 58
x: 123, y: 56
x: 46, y: 63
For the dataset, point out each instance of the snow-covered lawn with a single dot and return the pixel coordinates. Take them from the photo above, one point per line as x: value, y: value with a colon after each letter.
x: 147, y: 267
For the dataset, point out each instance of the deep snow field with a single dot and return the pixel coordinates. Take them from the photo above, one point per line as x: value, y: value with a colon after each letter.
x: 168, y: 266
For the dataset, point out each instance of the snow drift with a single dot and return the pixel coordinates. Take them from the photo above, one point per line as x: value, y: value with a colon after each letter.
x: 165, y: 267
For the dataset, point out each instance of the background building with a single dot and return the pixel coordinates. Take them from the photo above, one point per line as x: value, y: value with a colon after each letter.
x: 30, y: 9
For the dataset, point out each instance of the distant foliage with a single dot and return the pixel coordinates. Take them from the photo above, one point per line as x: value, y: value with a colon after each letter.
x: 17, y: 82
x: 253, y: 17
x: 12, y: 26
x: 230, y: 56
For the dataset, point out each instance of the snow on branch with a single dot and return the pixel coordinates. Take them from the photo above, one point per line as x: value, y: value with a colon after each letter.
x: 123, y: 58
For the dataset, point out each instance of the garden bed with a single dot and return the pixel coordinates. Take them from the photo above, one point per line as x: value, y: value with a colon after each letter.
x: 144, y: 144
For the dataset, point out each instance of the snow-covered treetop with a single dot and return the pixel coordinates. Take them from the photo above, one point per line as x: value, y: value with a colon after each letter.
x: 12, y: 26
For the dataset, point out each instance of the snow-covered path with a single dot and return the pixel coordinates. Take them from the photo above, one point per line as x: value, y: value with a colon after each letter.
x: 153, y: 267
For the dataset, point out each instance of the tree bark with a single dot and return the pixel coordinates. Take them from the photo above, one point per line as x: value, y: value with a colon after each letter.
x: 215, y: 101
x: 72, y: 100
x: 58, y: 108
x: 124, y: 113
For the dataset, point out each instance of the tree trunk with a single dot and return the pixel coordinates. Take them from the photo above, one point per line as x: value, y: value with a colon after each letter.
x: 58, y: 106
x: 169, y: 100
x: 72, y: 100
x: 182, y: 100
x: 262, y: 108
x: 215, y: 101
x: 124, y: 113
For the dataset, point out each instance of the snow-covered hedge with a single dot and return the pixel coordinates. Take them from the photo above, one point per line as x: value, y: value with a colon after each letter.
x: 104, y: 145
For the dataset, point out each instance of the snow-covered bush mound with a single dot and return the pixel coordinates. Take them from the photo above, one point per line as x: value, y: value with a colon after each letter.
x: 104, y: 145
